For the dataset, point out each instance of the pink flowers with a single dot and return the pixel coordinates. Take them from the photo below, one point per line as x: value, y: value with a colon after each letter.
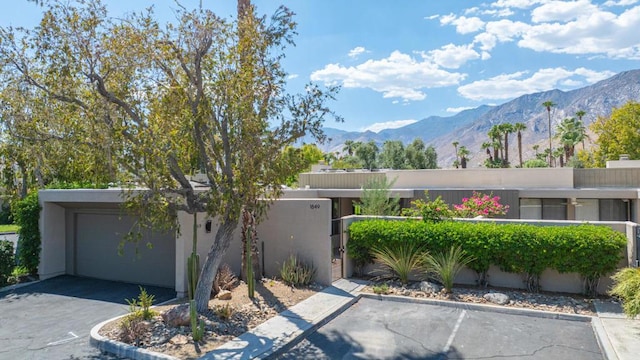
x: 481, y: 205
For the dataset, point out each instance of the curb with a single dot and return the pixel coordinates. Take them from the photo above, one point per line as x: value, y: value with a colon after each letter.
x: 121, y: 349
x: 603, y: 340
x: 18, y: 286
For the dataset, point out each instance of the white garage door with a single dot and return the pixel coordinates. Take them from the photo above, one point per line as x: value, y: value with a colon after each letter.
x: 97, y: 236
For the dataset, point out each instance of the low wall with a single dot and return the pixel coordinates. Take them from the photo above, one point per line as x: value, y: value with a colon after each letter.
x: 550, y: 280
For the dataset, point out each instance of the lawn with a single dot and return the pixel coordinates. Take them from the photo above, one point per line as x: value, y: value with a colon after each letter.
x: 9, y: 228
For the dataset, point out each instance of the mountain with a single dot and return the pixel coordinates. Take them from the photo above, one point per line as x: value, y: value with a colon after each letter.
x: 469, y: 128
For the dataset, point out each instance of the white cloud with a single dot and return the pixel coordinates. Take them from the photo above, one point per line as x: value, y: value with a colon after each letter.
x: 458, y: 109
x: 518, y: 4
x: 500, y: 31
x: 432, y: 17
x: 463, y: 24
x: 397, y: 76
x: 453, y: 56
x: 508, y: 86
x: 377, y: 127
x: 292, y: 76
x: 356, y: 51
x: 620, y: 3
x: 563, y: 11
x: 596, y: 32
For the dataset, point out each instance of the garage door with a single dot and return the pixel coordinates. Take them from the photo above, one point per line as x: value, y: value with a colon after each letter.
x: 97, y: 236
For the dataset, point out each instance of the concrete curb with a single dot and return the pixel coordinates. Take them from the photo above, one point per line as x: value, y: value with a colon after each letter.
x: 121, y: 349
x: 18, y: 286
x: 483, y: 307
x: 603, y: 339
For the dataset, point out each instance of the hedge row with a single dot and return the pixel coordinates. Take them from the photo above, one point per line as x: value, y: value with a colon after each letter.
x: 592, y: 251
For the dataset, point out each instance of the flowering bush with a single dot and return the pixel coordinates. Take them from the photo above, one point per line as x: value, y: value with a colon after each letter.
x: 480, y: 205
x: 430, y: 211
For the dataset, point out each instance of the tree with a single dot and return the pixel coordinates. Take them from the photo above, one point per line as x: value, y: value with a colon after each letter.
x: 506, y: 129
x: 431, y: 157
x: 548, y: 105
x: 376, y: 198
x: 618, y: 134
x: 455, y: 146
x: 301, y: 158
x: 570, y: 132
x: 392, y: 155
x: 580, y: 114
x: 518, y: 128
x: 349, y: 147
x: 463, y: 152
x: 368, y: 154
x: 205, y: 93
x: 417, y: 157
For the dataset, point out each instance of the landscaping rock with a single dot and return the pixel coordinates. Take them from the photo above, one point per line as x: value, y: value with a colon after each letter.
x: 224, y: 295
x: 179, y: 340
x: 177, y: 316
x: 497, y: 298
x: 429, y: 287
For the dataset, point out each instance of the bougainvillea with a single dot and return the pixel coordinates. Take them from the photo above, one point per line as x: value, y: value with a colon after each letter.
x: 480, y: 205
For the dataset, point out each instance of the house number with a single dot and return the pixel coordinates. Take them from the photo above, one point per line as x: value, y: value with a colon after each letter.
x: 314, y: 206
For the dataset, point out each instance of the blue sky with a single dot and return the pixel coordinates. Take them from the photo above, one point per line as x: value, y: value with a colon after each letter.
x: 402, y: 61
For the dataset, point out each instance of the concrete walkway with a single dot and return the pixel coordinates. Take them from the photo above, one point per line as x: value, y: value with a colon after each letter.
x: 622, y: 333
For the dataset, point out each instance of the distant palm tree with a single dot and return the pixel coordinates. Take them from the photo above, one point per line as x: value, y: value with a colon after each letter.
x: 463, y: 153
x: 455, y: 145
x: 506, y: 129
x: 349, y: 147
x: 519, y: 127
x: 536, y: 147
x: 496, y: 141
x: 580, y: 114
x: 548, y: 105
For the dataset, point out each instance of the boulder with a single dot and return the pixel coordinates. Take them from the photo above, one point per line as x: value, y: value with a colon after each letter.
x: 224, y: 295
x: 177, y: 316
x: 429, y: 287
x: 497, y: 298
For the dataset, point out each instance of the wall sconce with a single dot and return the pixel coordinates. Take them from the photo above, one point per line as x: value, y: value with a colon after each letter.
x: 207, y: 226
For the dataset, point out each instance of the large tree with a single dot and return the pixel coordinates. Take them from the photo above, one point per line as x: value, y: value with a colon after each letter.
x: 548, y: 105
x: 204, y: 93
x: 618, y: 134
x: 518, y: 128
x: 393, y: 155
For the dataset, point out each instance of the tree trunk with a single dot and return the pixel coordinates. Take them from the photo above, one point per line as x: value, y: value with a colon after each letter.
x: 249, y: 221
x: 212, y: 263
x: 520, y: 147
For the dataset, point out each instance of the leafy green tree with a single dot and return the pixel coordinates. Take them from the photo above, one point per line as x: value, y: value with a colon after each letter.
x: 302, y: 158
x: 548, y: 105
x: 368, y: 154
x: 376, y: 198
x: 618, y: 134
x: 203, y: 93
x: 431, y: 158
x: 393, y: 155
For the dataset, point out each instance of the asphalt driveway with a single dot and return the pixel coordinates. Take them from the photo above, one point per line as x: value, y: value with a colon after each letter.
x: 387, y: 329
x: 52, y: 319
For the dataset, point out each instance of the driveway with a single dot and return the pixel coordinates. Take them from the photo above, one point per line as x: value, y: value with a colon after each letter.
x: 387, y: 329
x: 52, y: 319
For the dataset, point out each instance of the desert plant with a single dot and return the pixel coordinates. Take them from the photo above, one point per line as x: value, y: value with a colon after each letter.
x: 627, y: 288
x: 132, y: 329
x: 142, y: 305
x: 224, y: 312
x: 400, y: 259
x: 446, y: 266
x: 380, y: 289
x: 6, y: 261
x: 197, y: 328
x: 193, y: 261
x: 295, y: 272
x: 225, y: 278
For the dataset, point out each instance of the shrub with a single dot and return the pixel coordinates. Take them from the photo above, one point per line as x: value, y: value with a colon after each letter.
x: 430, y: 210
x: 400, y: 259
x: 480, y: 205
x: 381, y: 289
x: 447, y: 265
x: 6, y: 261
x: 225, y: 279
x: 223, y: 312
x: 132, y: 329
x: 589, y: 250
x: 295, y: 272
x: 26, y: 213
x: 5, y: 215
x: 627, y: 287
x: 142, y: 305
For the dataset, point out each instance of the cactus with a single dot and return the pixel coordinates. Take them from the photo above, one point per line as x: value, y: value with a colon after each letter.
x: 251, y: 284
x: 193, y: 261
x: 197, y: 328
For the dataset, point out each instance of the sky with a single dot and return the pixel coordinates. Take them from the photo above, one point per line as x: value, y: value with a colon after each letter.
x: 401, y: 61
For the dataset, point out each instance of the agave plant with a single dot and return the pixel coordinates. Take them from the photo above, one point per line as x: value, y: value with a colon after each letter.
x: 446, y: 266
x: 400, y: 260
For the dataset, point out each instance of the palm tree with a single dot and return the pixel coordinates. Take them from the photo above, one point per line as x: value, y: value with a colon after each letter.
x: 548, y: 105
x: 455, y: 145
x: 506, y: 129
x: 486, y: 146
x: 349, y: 147
x: 519, y: 127
x: 496, y: 140
x: 463, y: 153
x: 580, y: 114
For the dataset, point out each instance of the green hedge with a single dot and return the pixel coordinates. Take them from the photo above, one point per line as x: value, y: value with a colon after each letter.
x: 589, y: 250
x: 6, y: 261
x: 26, y: 213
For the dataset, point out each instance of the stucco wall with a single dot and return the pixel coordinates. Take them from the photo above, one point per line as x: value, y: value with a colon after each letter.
x: 293, y: 226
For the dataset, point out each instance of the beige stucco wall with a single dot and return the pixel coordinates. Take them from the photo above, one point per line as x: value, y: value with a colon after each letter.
x: 53, y: 249
x: 292, y: 226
